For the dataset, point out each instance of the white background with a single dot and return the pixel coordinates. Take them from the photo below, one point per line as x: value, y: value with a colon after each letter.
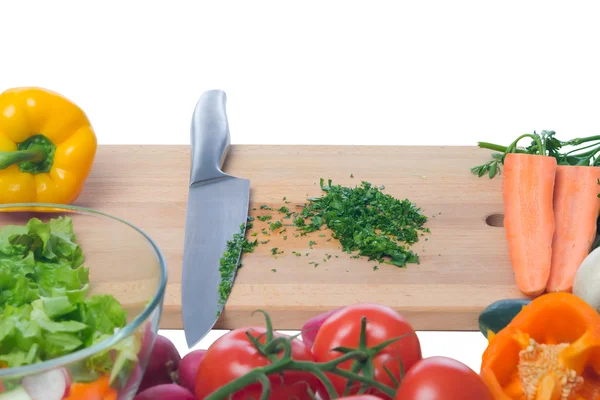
x: 316, y: 72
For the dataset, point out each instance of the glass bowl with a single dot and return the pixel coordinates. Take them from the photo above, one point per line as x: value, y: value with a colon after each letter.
x: 80, y: 310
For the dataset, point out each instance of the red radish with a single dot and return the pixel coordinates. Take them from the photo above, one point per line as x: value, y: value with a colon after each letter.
x: 188, y: 369
x: 311, y: 327
x: 50, y: 385
x: 163, y: 363
x: 170, y: 391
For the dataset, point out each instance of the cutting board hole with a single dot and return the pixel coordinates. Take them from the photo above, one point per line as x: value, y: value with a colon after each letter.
x: 495, y: 220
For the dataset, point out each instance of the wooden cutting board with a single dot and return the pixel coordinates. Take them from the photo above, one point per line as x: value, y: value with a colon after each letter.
x: 464, y: 260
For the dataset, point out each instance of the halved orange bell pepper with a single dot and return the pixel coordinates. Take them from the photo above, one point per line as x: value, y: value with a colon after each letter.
x: 97, y: 390
x: 549, y: 351
x: 47, y: 147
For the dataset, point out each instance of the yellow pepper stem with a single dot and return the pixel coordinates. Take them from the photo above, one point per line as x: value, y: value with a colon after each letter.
x: 35, y: 155
x: 8, y: 158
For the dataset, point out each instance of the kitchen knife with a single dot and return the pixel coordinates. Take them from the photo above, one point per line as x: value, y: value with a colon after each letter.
x: 217, y: 207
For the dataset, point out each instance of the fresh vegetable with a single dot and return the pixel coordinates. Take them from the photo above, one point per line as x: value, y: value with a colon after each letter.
x: 497, y: 315
x: 239, y: 351
x: 528, y: 188
x: 44, y: 293
x: 581, y: 151
x: 97, y: 390
x: 165, y: 391
x: 259, y: 363
x: 162, y: 364
x: 442, y: 378
x: 188, y: 369
x: 230, y: 262
x: 311, y: 327
x: 550, y: 350
x: 587, y: 280
x: 366, y: 220
x: 17, y: 393
x: 576, y: 209
x: 47, y: 147
x: 368, y: 328
x: 50, y: 385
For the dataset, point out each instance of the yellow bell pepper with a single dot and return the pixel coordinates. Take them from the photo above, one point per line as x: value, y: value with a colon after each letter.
x: 47, y: 147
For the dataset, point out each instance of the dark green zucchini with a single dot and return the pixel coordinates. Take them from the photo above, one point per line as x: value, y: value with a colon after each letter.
x: 499, y: 314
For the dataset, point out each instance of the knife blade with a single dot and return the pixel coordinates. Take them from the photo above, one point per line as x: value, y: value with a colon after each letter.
x: 216, y: 209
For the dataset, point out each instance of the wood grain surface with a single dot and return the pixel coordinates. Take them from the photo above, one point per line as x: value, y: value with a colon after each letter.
x: 464, y: 260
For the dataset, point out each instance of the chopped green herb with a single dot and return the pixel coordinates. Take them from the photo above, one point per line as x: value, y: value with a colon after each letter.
x: 264, y: 241
x: 311, y: 244
x: 365, y: 219
x: 306, y: 254
x: 284, y: 210
x: 265, y: 207
x: 230, y: 262
x: 314, y: 263
x: 296, y: 253
x: 322, y: 235
x: 275, y: 252
x: 351, y: 175
x: 250, y: 218
x: 275, y: 225
x: 285, y: 238
x: 254, y: 209
x: 254, y: 234
x: 274, y: 270
x: 283, y: 230
x: 264, y: 218
x: 284, y: 198
x: 250, y: 225
x: 375, y: 268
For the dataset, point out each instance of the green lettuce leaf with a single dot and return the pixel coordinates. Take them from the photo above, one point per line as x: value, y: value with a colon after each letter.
x: 44, y: 309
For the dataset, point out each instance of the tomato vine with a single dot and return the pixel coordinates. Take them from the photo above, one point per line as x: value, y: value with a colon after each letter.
x: 279, y: 351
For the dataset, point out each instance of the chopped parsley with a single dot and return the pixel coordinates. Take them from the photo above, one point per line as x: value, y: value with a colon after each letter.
x: 230, y: 262
x: 275, y: 225
x: 264, y: 218
x: 364, y: 218
x: 275, y: 251
x: 265, y: 207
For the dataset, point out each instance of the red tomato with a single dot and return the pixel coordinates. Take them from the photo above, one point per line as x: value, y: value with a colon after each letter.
x: 233, y: 355
x: 442, y: 378
x: 342, y: 329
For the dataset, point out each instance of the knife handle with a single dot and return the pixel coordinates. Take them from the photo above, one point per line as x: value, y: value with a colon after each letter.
x: 209, y: 137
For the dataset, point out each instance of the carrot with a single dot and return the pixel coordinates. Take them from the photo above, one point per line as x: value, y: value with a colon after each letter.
x: 576, y: 209
x: 528, y: 188
x: 97, y: 390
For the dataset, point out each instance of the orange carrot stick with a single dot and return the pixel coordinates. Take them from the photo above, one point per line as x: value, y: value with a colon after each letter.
x: 528, y: 188
x: 576, y: 208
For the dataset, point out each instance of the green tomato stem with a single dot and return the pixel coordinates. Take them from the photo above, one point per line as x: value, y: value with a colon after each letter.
x: 254, y: 376
x: 266, y: 386
x: 359, y: 378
